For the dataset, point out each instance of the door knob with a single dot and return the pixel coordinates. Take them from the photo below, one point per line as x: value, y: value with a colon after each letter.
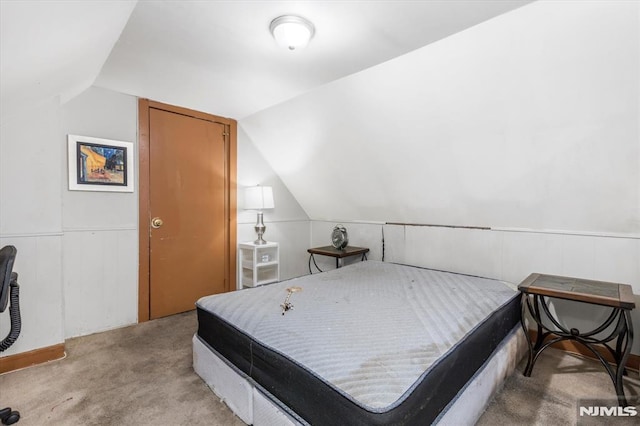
x: 156, y: 222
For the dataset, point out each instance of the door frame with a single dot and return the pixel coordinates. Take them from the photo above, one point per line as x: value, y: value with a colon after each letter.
x: 144, y: 213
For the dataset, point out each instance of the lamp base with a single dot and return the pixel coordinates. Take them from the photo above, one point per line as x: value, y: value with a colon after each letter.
x: 260, y: 229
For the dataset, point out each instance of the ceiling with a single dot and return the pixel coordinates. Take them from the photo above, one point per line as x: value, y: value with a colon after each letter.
x: 54, y: 48
x: 212, y: 56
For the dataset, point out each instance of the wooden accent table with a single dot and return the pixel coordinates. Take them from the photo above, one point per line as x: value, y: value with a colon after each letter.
x: 618, y: 326
x: 338, y: 254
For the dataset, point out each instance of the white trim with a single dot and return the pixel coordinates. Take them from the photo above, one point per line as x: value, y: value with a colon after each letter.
x: 357, y: 221
x: 634, y: 236
x: 102, y: 229
x: 253, y: 222
x: 33, y: 235
x: 566, y: 232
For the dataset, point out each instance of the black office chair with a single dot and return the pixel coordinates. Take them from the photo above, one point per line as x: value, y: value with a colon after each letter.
x: 9, y: 290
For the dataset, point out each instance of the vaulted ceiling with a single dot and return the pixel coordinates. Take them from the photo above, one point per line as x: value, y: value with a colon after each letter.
x: 466, y: 112
x: 213, y: 56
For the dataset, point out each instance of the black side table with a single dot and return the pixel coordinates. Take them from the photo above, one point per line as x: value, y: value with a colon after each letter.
x: 337, y: 253
x: 617, y: 326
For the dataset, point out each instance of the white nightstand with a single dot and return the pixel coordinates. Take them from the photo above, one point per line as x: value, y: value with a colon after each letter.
x: 258, y: 264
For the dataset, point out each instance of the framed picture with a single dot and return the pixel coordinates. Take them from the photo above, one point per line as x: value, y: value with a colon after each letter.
x: 100, y: 164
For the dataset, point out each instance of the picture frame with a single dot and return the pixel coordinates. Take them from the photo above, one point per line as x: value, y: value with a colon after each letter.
x: 97, y: 164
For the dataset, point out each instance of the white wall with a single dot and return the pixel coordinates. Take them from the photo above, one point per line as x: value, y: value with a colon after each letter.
x: 506, y: 255
x: 287, y: 224
x: 513, y: 255
x: 77, y: 250
x: 527, y: 124
x: 528, y: 120
x: 100, y: 243
x: 30, y: 219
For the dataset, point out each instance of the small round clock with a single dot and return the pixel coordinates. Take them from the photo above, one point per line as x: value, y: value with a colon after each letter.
x: 339, y: 237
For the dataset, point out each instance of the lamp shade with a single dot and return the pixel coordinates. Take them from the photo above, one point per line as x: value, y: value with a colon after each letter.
x: 258, y: 198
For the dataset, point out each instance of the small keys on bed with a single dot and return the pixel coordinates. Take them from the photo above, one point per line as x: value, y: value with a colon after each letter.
x: 287, y: 306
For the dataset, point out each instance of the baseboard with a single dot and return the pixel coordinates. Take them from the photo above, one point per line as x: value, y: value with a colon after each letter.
x: 633, y: 362
x: 27, y: 359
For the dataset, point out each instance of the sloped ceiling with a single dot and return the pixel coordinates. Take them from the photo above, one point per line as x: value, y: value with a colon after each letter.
x: 219, y: 57
x: 529, y: 120
x: 54, y: 48
x: 213, y: 56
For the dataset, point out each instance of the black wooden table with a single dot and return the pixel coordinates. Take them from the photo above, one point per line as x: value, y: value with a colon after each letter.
x: 339, y: 254
x: 617, y: 327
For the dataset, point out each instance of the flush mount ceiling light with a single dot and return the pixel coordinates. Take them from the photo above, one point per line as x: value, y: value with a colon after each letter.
x: 291, y: 31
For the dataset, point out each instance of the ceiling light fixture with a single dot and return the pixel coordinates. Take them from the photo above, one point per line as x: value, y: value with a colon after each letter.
x: 291, y: 31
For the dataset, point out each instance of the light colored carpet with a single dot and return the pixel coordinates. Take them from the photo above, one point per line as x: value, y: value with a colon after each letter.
x: 137, y: 375
x: 559, y: 382
x: 142, y: 375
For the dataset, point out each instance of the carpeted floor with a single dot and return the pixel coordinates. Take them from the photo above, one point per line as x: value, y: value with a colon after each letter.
x: 559, y: 382
x: 142, y: 375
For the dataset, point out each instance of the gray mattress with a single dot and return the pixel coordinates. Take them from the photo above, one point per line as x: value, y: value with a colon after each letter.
x: 371, y: 331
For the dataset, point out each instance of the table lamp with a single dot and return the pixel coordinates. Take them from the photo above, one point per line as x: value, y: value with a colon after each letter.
x: 259, y: 198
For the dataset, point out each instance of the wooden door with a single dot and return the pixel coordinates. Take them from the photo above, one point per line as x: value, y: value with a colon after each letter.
x: 190, y: 248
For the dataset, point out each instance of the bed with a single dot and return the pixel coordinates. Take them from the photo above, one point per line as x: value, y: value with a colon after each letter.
x: 373, y: 343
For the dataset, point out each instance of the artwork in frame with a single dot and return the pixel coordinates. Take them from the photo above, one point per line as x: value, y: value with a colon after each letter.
x: 97, y: 164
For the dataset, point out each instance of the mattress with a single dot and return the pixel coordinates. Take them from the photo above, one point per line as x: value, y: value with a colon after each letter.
x: 373, y: 342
